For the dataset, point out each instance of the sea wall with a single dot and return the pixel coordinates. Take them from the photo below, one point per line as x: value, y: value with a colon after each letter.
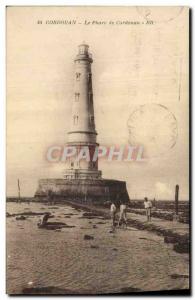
x: 81, y: 190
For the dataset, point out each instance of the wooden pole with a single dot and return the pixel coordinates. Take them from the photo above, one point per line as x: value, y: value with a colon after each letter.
x: 176, y: 199
x: 18, y: 190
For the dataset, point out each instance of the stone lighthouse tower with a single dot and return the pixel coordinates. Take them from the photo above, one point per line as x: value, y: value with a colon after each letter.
x: 82, y: 132
x: 82, y: 181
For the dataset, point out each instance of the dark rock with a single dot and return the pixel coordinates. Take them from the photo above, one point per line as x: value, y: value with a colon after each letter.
x: 89, y: 217
x: 181, y: 247
x: 53, y: 207
x: 20, y: 218
x: 29, y: 213
x: 69, y: 226
x: 94, y: 226
x: 54, y: 225
x: 47, y: 291
x: 159, y: 233
x: 70, y: 214
x: 90, y: 214
x: 94, y: 246
x: 100, y: 223
x: 175, y: 276
x: 104, y: 218
x: 130, y: 290
x: 88, y: 237
x: 67, y: 217
x: 170, y: 239
x: 114, y: 249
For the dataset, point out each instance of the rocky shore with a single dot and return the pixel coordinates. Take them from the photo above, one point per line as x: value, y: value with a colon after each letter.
x: 85, y: 256
x: 180, y: 240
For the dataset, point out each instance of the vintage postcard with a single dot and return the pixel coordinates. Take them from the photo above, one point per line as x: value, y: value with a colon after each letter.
x: 98, y: 195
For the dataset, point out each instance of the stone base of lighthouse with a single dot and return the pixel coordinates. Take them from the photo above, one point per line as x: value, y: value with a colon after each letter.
x: 82, y: 190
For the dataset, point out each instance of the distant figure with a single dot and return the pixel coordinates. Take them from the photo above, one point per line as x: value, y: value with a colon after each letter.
x: 123, y: 217
x: 45, y: 218
x: 148, y: 207
x: 113, y: 213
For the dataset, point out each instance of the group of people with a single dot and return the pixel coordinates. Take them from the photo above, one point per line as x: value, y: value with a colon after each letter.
x: 113, y: 210
x: 123, y: 212
x: 122, y: 216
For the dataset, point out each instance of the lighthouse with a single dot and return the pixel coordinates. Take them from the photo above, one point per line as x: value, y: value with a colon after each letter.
x: 82, y: 130
x: 82, y: 181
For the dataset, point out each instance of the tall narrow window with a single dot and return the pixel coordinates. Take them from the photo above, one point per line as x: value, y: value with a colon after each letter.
x: 78, y: 75
x: 77, y: 96
x: 92, y: 119
x: 90, y: 97
x: 89, y: 77
x: 75, y: 119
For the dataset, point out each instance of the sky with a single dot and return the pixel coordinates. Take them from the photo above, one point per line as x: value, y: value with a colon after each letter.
x: 140, y: 86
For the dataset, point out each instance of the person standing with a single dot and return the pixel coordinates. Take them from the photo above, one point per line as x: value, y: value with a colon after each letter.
x: 113, y: 213
x: 148, y: 208
x: 123, y: 217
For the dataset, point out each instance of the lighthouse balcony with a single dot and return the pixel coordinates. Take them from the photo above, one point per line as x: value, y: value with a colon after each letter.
x: 84, y: 57
x: 82, y: 174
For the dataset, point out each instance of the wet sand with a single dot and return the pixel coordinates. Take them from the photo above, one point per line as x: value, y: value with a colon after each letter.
x: 62, y: 260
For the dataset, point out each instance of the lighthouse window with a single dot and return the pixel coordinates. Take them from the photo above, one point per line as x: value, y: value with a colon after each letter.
x: 89, y: 77
x: 77, y: 96
x: 92, y: 119
x: 78, y: 76
x: 90, y: 98
x: 75, y: 118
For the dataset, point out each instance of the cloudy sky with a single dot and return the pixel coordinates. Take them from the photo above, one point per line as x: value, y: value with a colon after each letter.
x: 140, y: 82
